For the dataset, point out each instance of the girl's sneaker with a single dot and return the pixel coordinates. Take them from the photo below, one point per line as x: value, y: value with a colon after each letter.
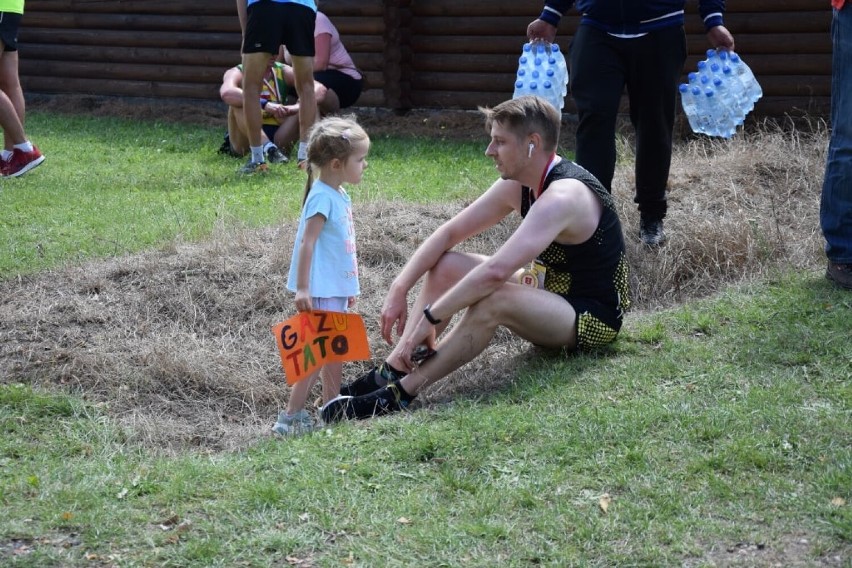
x: 296, y: 425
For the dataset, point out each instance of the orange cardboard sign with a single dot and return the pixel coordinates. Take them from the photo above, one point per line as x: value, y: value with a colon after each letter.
x: 309, y: 340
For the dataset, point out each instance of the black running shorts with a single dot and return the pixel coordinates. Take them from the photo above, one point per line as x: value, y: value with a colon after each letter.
x: 9, y: 24
x: 272, y: 24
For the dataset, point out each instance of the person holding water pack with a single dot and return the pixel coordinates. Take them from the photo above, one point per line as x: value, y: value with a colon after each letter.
x: 639, y: 44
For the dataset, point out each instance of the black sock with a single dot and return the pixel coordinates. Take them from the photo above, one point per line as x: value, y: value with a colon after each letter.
x: 403, y: 395
x: 389, y: 373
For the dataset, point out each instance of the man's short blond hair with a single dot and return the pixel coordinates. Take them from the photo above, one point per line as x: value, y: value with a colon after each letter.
x: 527, y: 115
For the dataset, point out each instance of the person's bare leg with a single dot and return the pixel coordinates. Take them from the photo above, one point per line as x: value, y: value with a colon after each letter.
x: 254, y: 67
x: 332, y: 376
x: 236, y: 131
x: 303, y: 73
x: 11, y: 100
x: 329, y: 103
x: 452, y: 267
x: 287, y: 133
x: 540, y: 317
x: 300, y: 391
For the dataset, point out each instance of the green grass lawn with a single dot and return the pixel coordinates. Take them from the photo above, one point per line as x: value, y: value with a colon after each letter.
x: 716, y: 433
x: 112, y: 186
x: 708, y: 426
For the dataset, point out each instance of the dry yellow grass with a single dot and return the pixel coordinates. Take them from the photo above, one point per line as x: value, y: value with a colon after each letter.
x: 176, y: 343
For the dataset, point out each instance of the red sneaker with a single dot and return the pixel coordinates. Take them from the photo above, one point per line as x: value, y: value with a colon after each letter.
x: 21, y: 162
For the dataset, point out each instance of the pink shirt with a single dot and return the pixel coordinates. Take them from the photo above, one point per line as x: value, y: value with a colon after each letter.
x: 338, y: 58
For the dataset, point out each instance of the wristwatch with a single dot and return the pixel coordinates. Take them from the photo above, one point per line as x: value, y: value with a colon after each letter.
x: 429, y: 317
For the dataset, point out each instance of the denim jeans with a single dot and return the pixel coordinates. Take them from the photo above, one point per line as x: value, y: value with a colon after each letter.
x: 835, y: 214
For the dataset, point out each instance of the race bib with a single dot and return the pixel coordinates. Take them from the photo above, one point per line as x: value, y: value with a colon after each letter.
x: 533, y: 275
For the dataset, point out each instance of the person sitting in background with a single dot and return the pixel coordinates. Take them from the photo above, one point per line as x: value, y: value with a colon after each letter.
x: 335, y: 70
x: 277, y: 83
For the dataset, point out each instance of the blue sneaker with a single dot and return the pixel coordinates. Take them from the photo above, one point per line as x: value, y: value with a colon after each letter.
x: 296, y: 425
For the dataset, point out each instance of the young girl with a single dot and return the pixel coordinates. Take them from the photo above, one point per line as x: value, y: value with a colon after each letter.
x: 324, y: 268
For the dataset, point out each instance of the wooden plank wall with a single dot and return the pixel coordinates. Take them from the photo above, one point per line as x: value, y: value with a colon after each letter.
x: 428, y: 54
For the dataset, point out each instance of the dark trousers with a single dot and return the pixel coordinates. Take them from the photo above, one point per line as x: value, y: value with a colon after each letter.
x: 650, y: 66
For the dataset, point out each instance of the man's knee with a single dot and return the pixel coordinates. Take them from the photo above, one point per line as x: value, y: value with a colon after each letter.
x: 328, y: 103
x: 451, y: 267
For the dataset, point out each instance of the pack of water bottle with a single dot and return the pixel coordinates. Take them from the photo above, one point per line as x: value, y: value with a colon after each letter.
x: 542, y: 71
x: 719, y: 94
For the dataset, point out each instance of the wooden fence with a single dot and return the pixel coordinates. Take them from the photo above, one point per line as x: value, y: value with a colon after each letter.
x: 428, y: 54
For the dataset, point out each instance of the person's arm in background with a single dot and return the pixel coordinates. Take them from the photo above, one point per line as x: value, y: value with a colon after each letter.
x: 231, y: 91
x: 711, y: 14
x: 544, y: 28
x: 322, y: 51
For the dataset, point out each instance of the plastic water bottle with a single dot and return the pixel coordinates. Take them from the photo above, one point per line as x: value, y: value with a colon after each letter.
x: 704, y: 123
x: 737, y: 92
x: 690, y: 105
x: 720, y: 117
x: 751, y: 87
x: 561, y: 65
x: 732, y: 106
x: 542, y: 71
x: 703, y: 69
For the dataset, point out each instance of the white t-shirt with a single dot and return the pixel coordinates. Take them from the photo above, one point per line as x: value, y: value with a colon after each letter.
x: 334, y: 267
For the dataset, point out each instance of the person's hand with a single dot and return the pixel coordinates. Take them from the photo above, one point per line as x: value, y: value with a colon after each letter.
x: 350, y: 303
x: 394, y: 311
x: 423, y: 333
x: 303, y: 301
x: 541, y: 30
x: 289, y: 110
x: 720, y: 38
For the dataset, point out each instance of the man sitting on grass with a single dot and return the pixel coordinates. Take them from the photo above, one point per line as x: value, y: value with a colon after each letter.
x: 560, y: 280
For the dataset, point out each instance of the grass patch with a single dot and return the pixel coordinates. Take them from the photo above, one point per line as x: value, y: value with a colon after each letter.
x: 140, y: 187
x: 718, y: 439
x: 139, y: 277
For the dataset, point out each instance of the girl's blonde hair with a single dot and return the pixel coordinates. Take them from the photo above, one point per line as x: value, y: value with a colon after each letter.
x: 330, y: 138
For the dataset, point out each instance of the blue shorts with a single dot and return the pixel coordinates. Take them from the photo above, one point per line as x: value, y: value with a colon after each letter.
x: 273, y: 24
x: 9, y: 24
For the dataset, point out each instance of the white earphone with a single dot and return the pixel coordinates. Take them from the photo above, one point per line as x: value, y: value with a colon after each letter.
x: 529, y: 154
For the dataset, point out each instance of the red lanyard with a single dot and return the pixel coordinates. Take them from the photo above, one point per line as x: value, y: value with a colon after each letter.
x: 544, y: 174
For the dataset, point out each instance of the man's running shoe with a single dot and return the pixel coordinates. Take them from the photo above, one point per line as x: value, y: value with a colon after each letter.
x: 384, y: 401
x: 275, y: 156
x: 365, y: 384
x: 21, y: 162
x: 254, y: 168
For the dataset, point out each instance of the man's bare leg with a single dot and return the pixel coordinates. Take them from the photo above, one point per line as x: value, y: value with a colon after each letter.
x: 540, y: 317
